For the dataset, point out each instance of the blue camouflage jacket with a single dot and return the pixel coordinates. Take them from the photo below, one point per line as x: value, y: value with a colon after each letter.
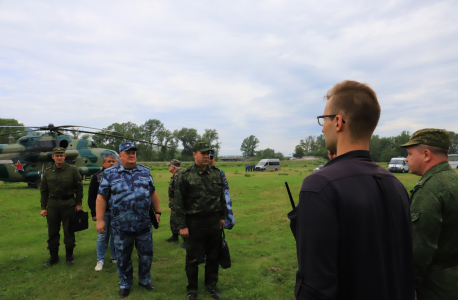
x: 129, y: 192
x: 229, y: 222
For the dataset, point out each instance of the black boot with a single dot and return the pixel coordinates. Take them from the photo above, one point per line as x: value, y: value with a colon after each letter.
x: 54, y: 259
x: 173, y: 238
x: 69, y: 256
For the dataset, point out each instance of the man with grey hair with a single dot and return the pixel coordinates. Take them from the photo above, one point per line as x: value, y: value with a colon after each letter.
x: 108, y: 160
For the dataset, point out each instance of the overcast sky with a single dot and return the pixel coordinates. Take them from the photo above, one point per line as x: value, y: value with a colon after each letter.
x: 241, y: 67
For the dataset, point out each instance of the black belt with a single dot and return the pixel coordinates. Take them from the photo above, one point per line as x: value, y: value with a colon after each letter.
x: 66, y: 197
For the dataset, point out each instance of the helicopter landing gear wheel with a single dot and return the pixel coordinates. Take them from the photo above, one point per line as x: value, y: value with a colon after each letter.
x: 34, y: 185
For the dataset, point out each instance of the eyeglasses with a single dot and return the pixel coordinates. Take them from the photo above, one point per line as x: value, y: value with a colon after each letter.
x: 321, y: 119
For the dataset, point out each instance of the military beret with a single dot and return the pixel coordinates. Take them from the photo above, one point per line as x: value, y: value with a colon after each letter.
x: 58, y: 150
x: 202, y: 147
x: 127, y: 146
x: 175, y: 163
x: 439, y: 138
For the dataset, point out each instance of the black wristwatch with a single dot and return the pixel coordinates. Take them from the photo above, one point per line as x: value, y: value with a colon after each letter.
x: 158, y: 213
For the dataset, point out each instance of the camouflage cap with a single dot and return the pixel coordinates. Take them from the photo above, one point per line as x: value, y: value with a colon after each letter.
x: 58, y: 150
x: 439, y: 138
x: 127, y: 146
x: 175, y: 163
x: 202, y: 147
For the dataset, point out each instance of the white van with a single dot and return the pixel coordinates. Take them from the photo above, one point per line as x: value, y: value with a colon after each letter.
x: 398, y: 164
x: 268, y: 164
x: 453, y: 160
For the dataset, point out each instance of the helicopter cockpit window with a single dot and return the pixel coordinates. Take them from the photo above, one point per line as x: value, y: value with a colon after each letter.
x: 44, y: 145
x: 23, y: 141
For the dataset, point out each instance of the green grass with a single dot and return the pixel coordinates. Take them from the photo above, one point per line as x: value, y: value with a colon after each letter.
x: 262, y: 247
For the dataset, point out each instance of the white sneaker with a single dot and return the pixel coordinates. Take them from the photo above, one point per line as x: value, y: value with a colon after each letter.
x: 99, y: 266
x: 113, y: 260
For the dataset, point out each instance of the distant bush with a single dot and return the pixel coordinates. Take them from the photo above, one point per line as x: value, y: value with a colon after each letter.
x: 247, y: 175
x: 282, y: 173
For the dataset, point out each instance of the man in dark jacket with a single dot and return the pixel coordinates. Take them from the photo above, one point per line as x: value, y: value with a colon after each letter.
x: 352, y: 223
x: 108, y: 160
x: 61, y: 195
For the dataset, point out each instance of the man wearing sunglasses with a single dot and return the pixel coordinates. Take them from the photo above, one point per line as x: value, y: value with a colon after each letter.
x: 352, y: 223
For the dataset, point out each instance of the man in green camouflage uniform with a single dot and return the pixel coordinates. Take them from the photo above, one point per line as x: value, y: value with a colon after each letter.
x: 174, y: 168
x: 201, y: 209
x: 434, y: 211
x: 58, y: 203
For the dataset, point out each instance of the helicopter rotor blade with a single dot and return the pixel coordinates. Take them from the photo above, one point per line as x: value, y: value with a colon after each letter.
x: 6, y: 126
x: 117, y: 136
x: 22, y: 131
x: 83, y: 127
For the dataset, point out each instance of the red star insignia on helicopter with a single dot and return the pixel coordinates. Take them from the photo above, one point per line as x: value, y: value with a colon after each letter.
x: 19, y: 166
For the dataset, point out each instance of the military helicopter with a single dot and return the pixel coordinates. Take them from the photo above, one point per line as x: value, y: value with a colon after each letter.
x: 25, y: 160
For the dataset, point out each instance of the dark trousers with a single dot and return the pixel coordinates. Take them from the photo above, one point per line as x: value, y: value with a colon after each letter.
x: 60, y: 214
x: 204, y: 237
x: 174, y: 227
x: 124, y: 242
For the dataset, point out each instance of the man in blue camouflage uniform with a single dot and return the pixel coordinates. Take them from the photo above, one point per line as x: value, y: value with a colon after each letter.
x: 129, y: 190
x: 201, y: 209
x: 229, y: 222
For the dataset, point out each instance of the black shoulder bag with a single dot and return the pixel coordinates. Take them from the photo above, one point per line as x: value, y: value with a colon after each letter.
x: 224, y: 258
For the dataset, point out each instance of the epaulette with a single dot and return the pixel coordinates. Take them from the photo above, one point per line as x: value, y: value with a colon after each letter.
x: 48, y: 168
x: 215, y: 167
x: 186, y: 170
x: 143, y: 166
x: 110, y: 168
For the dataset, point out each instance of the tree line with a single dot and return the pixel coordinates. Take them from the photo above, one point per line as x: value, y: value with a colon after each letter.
x: 381, y: 148
x: 249, y: 146
x: 166, y: 142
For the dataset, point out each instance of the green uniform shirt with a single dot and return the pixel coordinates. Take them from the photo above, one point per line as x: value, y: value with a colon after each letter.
x: 434, y: 212
x: 61, y: 182
x: 199, y: 192
x: 172, y: 185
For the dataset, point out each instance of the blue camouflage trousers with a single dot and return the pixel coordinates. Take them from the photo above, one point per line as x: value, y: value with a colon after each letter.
x: 124, y: 242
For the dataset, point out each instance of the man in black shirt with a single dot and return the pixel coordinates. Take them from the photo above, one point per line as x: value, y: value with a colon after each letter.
x: 108, y: 160
x: 352, y: 224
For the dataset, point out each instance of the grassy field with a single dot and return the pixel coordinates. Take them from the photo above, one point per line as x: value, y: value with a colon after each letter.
x: 261, y: 244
